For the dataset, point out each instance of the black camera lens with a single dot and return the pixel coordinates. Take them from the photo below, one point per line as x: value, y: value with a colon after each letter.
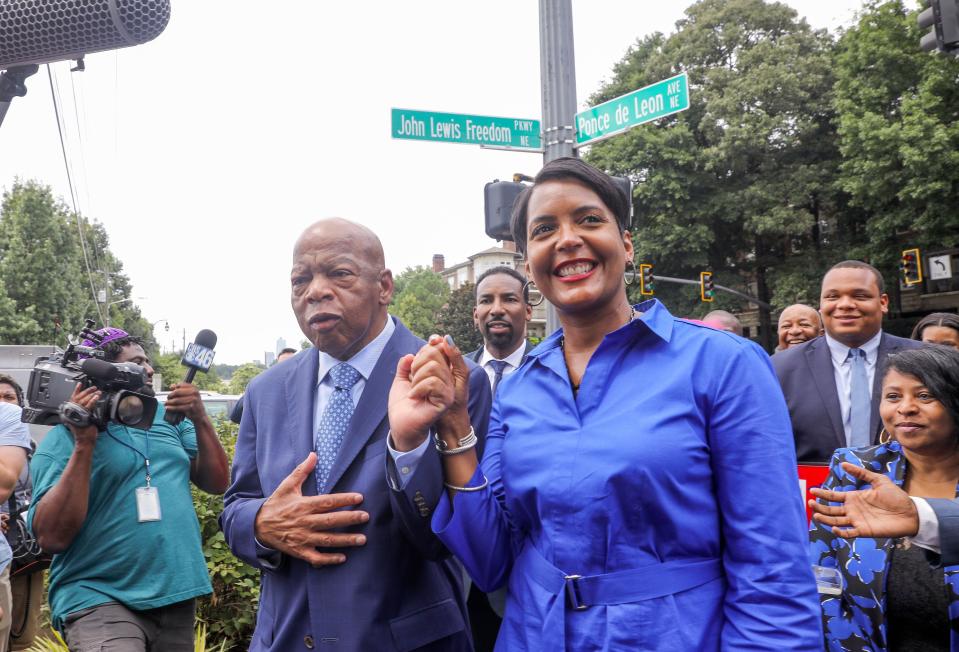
x: 130, y: 410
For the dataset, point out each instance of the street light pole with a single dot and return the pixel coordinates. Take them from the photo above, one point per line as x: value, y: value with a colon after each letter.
x: 558, y: 77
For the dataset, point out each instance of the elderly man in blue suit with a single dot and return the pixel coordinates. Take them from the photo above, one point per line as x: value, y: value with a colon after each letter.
x: 339, y: 524
x: 832, y: 383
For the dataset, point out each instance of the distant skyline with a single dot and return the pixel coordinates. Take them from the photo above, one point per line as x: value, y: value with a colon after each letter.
x: 207, y: 151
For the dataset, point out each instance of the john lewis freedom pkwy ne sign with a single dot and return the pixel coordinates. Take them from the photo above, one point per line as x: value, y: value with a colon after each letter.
x: 507, y: 133
x: 636, y: 108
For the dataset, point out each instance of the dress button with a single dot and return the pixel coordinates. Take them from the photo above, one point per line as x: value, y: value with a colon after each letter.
x: 308, y: 642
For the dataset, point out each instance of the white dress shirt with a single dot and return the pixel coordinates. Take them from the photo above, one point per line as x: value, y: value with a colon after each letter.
x: 842, y: 369
x: 513, y: 360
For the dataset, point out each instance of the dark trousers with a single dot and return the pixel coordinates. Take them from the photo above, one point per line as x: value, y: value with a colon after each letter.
x: 484, y: 622
x: 111, y: 627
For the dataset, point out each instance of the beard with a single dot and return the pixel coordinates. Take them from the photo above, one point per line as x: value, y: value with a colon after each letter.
x: 499, y: 338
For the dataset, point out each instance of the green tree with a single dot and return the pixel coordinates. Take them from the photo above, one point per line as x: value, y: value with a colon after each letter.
x: 16, y: 327
x: 456, y: 318
x: 40, y: 262
x: 242, y: 377
x: 51, y: 278
x: 168, y: 364
x: 898, y: 124
x: 741, y: 181
x: 418, y: 297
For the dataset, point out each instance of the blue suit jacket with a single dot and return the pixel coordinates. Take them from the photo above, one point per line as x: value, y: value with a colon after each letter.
x: 947, y: 511
x: 809, y: 384
x: 401, y: 591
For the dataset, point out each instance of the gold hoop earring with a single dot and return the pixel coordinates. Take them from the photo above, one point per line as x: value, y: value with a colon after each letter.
x: 529, y: 285
x: 884, y: 437
x: 629, y: 277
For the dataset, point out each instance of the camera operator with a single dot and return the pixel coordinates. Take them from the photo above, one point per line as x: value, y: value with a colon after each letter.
x: 114, y: 506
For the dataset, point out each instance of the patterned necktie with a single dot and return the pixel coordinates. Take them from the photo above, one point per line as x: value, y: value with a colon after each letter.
x: 860, y: 400
x: 334, y: 422
x: 498, y: 367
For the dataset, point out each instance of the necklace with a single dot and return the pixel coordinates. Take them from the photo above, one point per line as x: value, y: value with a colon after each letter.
x: 562, y: 345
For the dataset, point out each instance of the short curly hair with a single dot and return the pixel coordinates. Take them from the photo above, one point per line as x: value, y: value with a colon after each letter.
x: 111, y: 350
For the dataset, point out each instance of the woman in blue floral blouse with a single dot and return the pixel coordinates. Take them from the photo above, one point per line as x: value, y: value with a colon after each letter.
x: 892, y: 597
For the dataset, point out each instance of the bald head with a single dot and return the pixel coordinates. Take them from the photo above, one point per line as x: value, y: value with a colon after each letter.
x: 797, y: 324
x: 726, y: 321
x: 340, y: 286
x: 346, y: 235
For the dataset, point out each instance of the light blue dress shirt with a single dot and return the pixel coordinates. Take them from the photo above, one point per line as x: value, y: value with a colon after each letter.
x: 363, y: 361
x: 677, y: 452
x: 842, y: 369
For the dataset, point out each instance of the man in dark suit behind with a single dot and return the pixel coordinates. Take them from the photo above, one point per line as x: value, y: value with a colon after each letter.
x: 832, y: 383
x: 338, y: 524
x: 501, y: 313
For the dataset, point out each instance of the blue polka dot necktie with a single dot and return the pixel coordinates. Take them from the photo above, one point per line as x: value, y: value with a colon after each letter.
x: 334, y: 422
x: 498, y: 367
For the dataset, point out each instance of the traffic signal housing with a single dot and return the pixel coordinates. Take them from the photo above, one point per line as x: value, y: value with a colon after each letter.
x: 499, y: 197
x: 911, y: 266
x: 941, y: 19
x: 646, y: 280
x: 706, y: 291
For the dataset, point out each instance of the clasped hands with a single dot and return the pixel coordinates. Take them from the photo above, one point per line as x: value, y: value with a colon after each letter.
x: 429, y: 390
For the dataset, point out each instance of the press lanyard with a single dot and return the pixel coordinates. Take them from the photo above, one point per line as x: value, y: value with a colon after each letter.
x: 145, y: 456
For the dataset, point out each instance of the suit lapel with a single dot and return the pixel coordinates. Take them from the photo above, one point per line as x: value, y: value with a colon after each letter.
x: 301, y: 390
x: 371, y: 409
x: 824, y: 378
x: 886, y: 347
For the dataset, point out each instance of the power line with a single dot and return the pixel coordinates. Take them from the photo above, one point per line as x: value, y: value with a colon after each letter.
x: 73, y: 198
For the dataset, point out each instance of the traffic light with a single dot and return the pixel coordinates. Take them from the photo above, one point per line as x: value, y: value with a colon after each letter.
x: 911, y: 266
x: 706, y: 291
x: 646, y: 279
x: 942, y: 16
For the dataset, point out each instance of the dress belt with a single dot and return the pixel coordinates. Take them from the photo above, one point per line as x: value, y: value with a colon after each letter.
x: 634, y: 585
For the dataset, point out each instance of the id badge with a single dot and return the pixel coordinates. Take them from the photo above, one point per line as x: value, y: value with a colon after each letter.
x: 148, y: 504
x: 828, y: 580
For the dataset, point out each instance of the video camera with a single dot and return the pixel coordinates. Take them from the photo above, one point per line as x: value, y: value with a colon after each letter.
x: 125, y: 397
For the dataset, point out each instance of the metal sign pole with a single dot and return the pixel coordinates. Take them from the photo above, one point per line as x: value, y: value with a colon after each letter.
x: 558, y: 75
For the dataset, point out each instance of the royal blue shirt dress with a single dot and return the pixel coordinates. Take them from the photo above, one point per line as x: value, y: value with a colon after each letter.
x: 658, y: 509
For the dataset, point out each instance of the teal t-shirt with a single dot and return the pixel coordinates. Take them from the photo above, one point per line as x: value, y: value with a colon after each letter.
x: 114, y: 557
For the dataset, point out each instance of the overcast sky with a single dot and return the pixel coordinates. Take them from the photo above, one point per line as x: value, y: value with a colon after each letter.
x: 207, y: 151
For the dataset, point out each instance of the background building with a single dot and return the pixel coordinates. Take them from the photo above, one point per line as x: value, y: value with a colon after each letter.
x: 474, y: 266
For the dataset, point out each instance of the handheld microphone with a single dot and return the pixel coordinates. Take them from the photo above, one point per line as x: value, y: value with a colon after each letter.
x: 44, y: 31
x: 198, y: 356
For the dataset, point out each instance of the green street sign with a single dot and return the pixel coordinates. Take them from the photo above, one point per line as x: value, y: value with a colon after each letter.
x: 505, y: 133
x: 636, y: 108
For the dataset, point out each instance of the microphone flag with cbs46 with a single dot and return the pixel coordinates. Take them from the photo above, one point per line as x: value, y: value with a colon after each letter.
x: 198, y: 357
x: 34, y: 32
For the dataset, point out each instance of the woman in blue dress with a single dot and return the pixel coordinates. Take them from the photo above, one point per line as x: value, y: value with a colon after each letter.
x: 638, y: 489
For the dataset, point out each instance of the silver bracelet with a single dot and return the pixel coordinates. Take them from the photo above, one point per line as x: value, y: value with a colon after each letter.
x: 467, y: 489
x: 463, y: 445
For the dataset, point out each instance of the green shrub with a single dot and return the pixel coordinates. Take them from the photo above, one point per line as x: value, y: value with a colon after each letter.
x: 230, y: 613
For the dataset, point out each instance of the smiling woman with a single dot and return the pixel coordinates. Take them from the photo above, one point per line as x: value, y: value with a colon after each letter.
x: 609, y: 497
x: 891, y: 597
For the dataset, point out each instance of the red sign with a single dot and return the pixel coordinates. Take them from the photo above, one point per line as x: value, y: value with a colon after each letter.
x: 811, y: 475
